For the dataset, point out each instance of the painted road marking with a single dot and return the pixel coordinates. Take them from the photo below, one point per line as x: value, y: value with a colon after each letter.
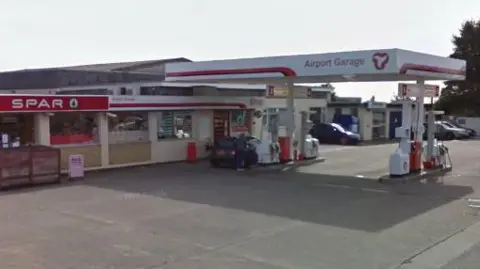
x: 341, y: 186
x: 444, y: 251
x: 374, y: 190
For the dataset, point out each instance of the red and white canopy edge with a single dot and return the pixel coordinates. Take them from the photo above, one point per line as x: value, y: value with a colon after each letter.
x: 367, y: 65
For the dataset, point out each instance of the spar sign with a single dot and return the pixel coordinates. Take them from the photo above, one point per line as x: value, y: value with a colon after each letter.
x: 413, y: 90
x: 52, y: 103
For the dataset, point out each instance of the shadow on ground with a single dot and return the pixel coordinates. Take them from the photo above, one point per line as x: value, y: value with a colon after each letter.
x: 355, y: 203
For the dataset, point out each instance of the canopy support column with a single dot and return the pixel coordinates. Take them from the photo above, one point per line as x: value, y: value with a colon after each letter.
x: 420, y: 108
x: 291, y: 115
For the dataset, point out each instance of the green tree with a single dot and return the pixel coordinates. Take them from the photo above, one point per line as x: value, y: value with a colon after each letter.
x: 463, y: 97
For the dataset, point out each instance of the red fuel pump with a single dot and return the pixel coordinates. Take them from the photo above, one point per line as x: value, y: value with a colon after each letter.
x: 285, y: 149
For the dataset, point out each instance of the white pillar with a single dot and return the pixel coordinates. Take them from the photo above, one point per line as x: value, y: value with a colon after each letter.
x: 102, y: 125
x: 154, y: 120
x: 41, y: 125
x: 291, y: 114
x: 420, y: 109
x: 430, y: 133
x: 406, y: 123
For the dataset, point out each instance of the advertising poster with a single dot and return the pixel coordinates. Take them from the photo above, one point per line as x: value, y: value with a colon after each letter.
x: 239, y: 121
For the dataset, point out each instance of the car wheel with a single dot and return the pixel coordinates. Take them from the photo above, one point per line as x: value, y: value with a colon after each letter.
x: 343, y: 141
x: 449, y: 136
x: 214, y: 164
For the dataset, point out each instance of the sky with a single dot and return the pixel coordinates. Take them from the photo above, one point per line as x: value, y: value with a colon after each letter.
x: 51, y: 33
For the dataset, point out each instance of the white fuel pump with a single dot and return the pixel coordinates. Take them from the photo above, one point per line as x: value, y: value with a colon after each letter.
x: 309, y: 145
x: 268, y: 149
x: 400, y: 159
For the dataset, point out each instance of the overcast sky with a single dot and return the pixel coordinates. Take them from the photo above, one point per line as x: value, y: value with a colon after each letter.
x: 50, y: 33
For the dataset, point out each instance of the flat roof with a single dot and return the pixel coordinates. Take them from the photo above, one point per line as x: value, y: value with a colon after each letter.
x: 361, y: 66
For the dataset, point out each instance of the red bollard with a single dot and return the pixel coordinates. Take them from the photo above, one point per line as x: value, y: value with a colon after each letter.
x: 191, y: 152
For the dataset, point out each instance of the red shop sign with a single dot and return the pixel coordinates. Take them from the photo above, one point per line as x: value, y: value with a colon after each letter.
x: 52, y: 103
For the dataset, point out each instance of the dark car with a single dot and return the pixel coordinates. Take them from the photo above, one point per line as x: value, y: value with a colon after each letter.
x: 223, y: 152
x: 332, y: 133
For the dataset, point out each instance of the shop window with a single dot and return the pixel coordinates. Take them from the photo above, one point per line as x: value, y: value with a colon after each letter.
x: 320, y: 95
x: 379, y: 118
x: 166, y: 91
x: 86, y: 92
x: 73, y: 128
x: 241, y: 92
x: 316, y: 116
x: 175, y: 124
x: 378, y: 132
x: 127, y: 126
x: 16, y: 129
x: 354, y: 111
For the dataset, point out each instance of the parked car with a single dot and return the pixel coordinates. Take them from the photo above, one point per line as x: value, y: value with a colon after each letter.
x: 452, y: 124
x: 447, y: 132
x: 332, y: 133
x: 223, y: 152
x: 437, y: 134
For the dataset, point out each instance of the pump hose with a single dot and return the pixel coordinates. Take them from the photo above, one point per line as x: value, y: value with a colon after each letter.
x: 449, y: 158
x: 447, y: 152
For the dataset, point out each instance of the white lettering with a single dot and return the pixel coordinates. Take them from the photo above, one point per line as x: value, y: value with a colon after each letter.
x: 57, y: 103
x: 30, y: 103
x: 37, y: 103
x: 355, y: 62
x: 17, y: 103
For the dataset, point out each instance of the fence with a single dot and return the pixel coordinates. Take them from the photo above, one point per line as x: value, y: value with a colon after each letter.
x: 29, y: 165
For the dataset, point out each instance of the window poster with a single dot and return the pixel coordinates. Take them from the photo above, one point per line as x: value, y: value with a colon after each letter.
x: 239, y: 121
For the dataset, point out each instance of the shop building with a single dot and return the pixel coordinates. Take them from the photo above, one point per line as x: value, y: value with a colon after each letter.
x: 372, y: 116
x: 121, y: 113
x: 116, y: 131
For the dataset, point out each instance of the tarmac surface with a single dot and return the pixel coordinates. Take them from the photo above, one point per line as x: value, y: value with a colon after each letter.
x: 331, y: 215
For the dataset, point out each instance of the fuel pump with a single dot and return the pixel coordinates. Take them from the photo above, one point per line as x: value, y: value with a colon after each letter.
x: 399, y: 164
x: 436, y: 153
x: 400, y: 159
x: 308, y: 145
x: 268, y: 150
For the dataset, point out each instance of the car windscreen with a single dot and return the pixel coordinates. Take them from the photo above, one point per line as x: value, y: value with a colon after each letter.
x: 338, y: 127
x: 444, y: 126
x: 448, y: 124
x: 225, y: 143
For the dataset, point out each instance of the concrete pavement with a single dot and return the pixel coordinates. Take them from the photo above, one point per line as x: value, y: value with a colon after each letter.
x: 187, y: 217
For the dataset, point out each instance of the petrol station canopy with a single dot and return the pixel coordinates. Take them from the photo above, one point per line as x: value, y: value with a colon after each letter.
x: 361, y: 66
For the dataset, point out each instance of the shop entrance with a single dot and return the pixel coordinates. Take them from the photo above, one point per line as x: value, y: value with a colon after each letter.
x: 221, y: 123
